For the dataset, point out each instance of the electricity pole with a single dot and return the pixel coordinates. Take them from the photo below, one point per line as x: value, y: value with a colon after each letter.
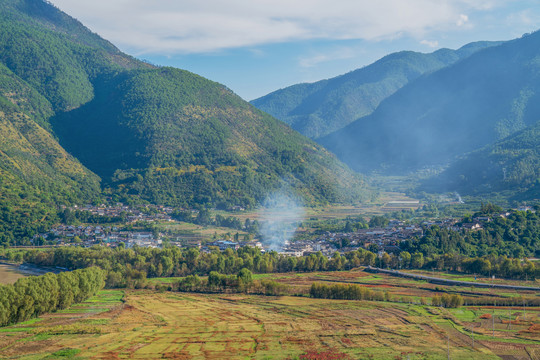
x: 493, y: 322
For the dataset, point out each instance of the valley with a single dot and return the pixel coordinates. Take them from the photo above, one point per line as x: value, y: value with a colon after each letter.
x: 148, y: 212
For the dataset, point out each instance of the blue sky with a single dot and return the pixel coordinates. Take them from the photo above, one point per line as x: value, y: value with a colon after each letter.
x: 258, y: 46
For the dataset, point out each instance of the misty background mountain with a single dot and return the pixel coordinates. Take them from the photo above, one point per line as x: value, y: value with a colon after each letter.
x: 449, y: 109
x: 460, y: 108
x: 510, y: 166
x: 320, y: 108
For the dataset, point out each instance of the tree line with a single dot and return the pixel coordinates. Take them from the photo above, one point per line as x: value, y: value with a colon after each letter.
x: 32, y: 296
x: 131, y: 267
x: 346, y: 292
x: 240, y: 283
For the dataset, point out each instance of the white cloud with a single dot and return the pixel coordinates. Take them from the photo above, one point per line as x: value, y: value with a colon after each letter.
x: 194, y: 26
x: 338, y: 54
x: 432, y: 43
x: 463, y: 19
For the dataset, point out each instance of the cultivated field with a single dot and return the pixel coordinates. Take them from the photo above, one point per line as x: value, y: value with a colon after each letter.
x: 149, y: 325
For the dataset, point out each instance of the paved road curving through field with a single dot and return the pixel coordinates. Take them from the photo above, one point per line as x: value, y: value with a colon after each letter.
x: 441, y: 281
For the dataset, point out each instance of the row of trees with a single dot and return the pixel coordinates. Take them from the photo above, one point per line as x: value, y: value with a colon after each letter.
x: 131, y: 267
x: 346, y: 292
x: 356, y: 292
x: 242, y: 282
x: 447, y: 300
x: 31, y: 296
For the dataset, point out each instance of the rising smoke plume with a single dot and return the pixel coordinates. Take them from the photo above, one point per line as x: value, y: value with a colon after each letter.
x: 281, y: 214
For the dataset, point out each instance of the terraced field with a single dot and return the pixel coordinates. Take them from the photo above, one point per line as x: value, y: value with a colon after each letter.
x: 150, y: 325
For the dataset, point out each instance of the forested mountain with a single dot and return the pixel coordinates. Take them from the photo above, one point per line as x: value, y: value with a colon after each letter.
x: 511, y: 165
x: 317, y: 109
x: 460, y: 108
x: 170, y: 136
x: 146, y: 133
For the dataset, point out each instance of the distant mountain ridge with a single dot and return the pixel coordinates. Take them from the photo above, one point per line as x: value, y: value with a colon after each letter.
x: 488, y: 96
x: 320, y: 108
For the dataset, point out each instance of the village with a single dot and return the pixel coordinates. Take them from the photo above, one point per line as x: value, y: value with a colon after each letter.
x: 378, y: 240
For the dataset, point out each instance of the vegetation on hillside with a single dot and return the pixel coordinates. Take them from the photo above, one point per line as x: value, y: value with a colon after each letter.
x: 320, y: 108
x: 511, y: 165
x: 171, y: 137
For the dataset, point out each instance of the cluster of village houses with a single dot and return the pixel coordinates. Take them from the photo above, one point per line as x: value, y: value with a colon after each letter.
x: 385, y: 239
x: 147, y: 213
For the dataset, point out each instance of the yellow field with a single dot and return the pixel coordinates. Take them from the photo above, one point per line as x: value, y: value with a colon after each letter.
x: 150, y: 325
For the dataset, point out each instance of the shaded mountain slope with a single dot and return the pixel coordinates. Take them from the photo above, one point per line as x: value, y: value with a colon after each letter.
x: 171, y: 136
x: 510, y: 165
x: 36, y: 173
x: 320, y: 108
x: 477, y: 101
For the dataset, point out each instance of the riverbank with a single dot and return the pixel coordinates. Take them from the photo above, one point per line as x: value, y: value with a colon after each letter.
x: 11, y: 272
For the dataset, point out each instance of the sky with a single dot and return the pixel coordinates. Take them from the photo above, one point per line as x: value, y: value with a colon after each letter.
x: 255, y: 47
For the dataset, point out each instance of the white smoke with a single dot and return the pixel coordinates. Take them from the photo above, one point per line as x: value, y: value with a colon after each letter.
x: 459, y: 199
x: 281, y: 214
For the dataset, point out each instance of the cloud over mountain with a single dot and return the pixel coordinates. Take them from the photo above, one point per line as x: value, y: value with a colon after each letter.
x: 191, y: 26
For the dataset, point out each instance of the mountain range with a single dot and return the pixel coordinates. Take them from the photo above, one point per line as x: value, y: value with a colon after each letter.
x: 81, y: 121
x: 460, y: 108
x: 320, y: 108
x: 472, y: 112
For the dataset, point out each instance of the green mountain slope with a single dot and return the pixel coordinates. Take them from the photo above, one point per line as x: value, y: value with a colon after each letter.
x: 36, y: 173
x: 48, y: 62
x: 511, y: 165
x: 477, y: 101
x: 147, y: 134
x: 170, y: 136
x: 320, y: 108
x: 55, y: 54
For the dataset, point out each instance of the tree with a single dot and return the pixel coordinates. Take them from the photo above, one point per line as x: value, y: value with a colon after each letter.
x: 244, y: 279
x: 417, y: 260
x: 378, y: 221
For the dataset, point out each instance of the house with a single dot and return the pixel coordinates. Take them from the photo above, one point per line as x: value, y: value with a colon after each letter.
x: 471, y: 226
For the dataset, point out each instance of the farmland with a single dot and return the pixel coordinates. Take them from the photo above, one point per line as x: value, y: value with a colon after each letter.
x: 144, y: 324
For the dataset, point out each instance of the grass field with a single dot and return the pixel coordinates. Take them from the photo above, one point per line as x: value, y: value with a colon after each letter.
x: 401, y: 289
x: 148, y: 325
